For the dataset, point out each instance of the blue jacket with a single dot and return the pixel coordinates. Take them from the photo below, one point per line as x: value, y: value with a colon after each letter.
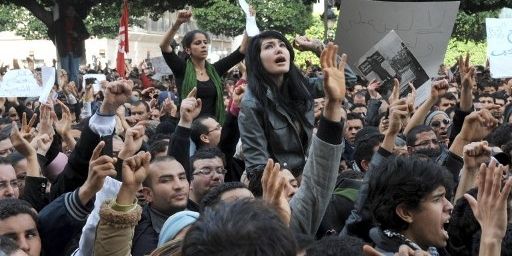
x: 61, y: 221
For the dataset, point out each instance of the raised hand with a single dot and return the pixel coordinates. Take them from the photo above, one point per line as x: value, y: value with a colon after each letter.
x: 27, y: 130
x: 490, y: 206
x: 477, y: 125
x: 190, y: 108
x: 20, y: 143
x: 398, y: 112
x: 334, y: 82
x: 273, y: 190
x: 467, y: 73
x: 439, y: 88
x: 373, y: 86
x: 334, y: 75
x: 45, y: 121
x: 238, y: 94
x: 475, y: 154
x: 303, y: 43
x: 63, y: 125
x: 395, y: 93
x: 135, y: 171
x: 183, y: 16
x: 43, y: 143
x: 133, y: 141
x: 168, y: 108
x: 99, y: 168
x: 116, y: 94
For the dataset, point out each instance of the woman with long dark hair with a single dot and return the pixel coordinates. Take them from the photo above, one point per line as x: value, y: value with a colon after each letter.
x: 195, y: 70
x: 276, y: 117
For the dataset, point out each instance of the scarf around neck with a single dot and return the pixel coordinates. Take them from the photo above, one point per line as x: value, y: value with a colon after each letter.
x: 190, y: 81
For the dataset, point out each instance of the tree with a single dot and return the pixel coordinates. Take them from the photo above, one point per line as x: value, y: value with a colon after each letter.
x: 226, y: 17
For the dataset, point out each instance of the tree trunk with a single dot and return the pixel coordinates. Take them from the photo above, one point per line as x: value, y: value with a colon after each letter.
x: 37, y: 10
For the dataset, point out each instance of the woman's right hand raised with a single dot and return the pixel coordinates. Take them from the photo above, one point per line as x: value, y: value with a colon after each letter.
x: 183, y: 16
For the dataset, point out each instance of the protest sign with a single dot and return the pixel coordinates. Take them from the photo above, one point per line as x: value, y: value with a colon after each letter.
x: 425, y: 28
x: 96, y: 85
x: 160, y: 67
x: 21, y: 83
x: 499, y: 46
x: 388, y: 59
x: 48, y: 74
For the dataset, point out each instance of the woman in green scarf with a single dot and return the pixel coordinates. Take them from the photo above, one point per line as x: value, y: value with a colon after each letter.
x: 195, y: 71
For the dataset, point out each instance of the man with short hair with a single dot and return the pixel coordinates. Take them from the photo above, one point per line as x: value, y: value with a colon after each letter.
x: 205, y: 131
x: 423, y: 140
x: 207, y: 173
x: 18, y: 221
x: 140, y: 111
x: 353, y: 125
x: 9, y: 186
x: 166, y: 190
x: 446, y: 101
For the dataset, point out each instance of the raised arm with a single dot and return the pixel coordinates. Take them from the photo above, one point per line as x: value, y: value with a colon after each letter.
x: 183, y: 17
x: 438, y: 89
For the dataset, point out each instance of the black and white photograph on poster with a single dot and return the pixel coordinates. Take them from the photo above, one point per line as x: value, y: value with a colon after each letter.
x: 388, y: 59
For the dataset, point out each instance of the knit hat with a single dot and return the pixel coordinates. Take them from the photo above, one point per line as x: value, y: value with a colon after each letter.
x: 432, y: 114
x: 174, y: 224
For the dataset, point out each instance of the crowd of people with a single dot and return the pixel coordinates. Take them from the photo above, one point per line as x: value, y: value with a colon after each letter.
x: 253, y: 155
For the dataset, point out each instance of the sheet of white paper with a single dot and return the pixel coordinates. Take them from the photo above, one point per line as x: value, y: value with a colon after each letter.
x: 425, y: 27
x: 48, y: 74
x: 499, y: 46
x: 245, y: 7
x: 96, y: 86
x: 21, y: 83
x: 250, y: 21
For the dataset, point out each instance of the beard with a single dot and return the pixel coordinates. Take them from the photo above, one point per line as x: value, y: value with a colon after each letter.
x: 429, y: 152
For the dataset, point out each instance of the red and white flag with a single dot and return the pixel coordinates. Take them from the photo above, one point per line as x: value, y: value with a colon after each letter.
x: 123, y: 40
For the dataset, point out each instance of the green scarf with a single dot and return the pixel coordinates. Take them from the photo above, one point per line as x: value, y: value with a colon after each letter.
x: 190, y: 81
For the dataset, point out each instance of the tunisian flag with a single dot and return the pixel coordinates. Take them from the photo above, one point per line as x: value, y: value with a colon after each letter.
x: 123, y: 40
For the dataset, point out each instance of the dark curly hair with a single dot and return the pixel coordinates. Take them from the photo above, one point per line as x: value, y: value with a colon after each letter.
x: 403, y: 180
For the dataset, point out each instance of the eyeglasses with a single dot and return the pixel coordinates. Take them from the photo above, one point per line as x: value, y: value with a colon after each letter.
x: 426, y: 143
x: 438, y: 123
x: 209, y: 170
x: 217, y: 128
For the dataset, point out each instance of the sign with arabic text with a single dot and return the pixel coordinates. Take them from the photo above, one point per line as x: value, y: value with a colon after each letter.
x: 499, y: 46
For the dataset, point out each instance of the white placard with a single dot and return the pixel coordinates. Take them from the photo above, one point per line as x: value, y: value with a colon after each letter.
x: 96, y: 86
x: 425, y: 27
x: 21, y: 83
x: 48, y: 74
x: 499, y: 46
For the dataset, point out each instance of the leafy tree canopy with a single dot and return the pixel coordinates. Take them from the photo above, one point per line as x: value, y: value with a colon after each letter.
x: 217, y: 16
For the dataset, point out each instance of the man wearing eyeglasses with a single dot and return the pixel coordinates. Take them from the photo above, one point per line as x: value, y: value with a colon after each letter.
x: 207, y: 173
x: 423, y: 140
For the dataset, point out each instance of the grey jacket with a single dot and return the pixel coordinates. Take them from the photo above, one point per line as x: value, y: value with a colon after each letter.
x: 310, y: 202
x: 271, y: 133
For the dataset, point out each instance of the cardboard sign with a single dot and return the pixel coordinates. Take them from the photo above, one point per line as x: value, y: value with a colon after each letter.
x: 388, y: 59
x: 499, y: 46
x: 425, y: 28
x: 160, y: 67
x: 96, y: 86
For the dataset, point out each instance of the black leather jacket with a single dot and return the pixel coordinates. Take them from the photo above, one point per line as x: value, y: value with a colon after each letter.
x: 271, y: 133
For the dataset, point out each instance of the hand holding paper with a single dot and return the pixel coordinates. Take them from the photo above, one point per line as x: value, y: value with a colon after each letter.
x: 250, y: 23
